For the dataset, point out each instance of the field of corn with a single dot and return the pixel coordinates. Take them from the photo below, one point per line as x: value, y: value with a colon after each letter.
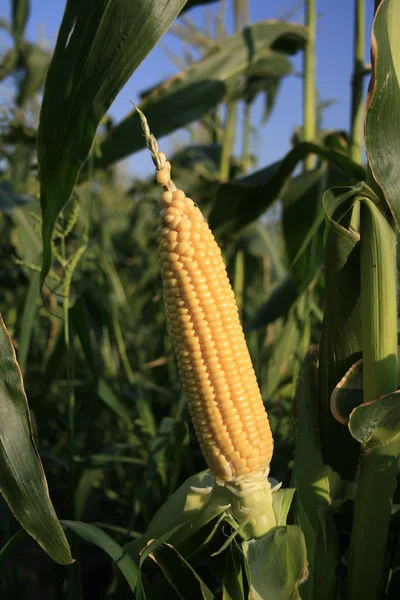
x: 198, y: 369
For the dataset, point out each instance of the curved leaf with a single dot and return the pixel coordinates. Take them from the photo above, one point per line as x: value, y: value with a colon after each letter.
x: 377, y: 423
x: 382, y: 128
x: 22, y: 480
x: 99, y: 538
x: 192, y: 3
x: 341, y: 340
x: 190, y: 94
x: 33, y: 61
x: 241, y: 201
x: 99, y: 46
x: 20, y: 15
x: 180, y: 574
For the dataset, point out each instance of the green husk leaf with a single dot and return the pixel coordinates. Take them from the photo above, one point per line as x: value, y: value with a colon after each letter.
x: 276, y: 564
x: 182, y: 577
x: 233, y: 588
x: 314, y: 494
x: 195, y: 503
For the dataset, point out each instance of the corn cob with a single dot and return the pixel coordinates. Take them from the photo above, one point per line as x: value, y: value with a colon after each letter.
x: 218, y: 378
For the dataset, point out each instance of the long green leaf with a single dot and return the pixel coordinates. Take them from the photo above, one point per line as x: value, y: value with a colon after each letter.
x: 28, y: 319
x: 241, y: 201
x: 180, y: 574
x: 382, y: 128
x: 99, y: 538
x: 189, y: 95
x: 99, y: 46
x: 341, y: 342
x: 311, y: 507
x: 20, y: 15
x: 22, y: 480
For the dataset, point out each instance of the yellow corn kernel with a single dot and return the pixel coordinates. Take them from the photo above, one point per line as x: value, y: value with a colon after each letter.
x: 218, y: 378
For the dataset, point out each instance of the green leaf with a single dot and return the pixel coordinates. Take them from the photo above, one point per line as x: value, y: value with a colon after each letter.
x: 282, y: 353
x: 311, y: 507
x: 282, y: 500
x: 276, y: 564
x: 33, y: 61
x: 10, y: 547
x: 277, y: 305
x: 241, y: 201
x: 382, y: 127
x: 194, y: 504
x: 180, y: 574
x: 20, y: 15
x: 80, y: 321
x: 24, y: 236
x: 348, y: 394
x: 192, y: 3
x: 99, y: 538
x: 98, y: 48
x: 31, y: 307
x: 301, y: 205
x: 377, y: 423
x: 22, y: 480
x: 193, y: 92
x: 341, y: 339
x: 233, y: 576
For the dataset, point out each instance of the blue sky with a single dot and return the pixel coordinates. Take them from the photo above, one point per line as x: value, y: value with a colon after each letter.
x: 334, y: 49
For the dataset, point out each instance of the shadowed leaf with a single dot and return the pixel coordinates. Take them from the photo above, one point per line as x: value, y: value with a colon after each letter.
x: 22, y: 480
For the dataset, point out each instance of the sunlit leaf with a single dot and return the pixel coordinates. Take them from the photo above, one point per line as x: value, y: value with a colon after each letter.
x: 277, y: 564
x: 382, y: 127
x: 20, y: 15
x: 98, y: 48
x: 190, y: 94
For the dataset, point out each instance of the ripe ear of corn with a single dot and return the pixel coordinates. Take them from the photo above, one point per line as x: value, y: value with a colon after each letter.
x: 224, y: 400
x: 218, y: 378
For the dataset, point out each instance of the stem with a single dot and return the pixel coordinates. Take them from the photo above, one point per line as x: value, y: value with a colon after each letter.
x: 74, y: 588
x: 246, y: 137
x: 309, y: 98
x: 377, y: 479
x: 357, y: 105
x: 229, y: 138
